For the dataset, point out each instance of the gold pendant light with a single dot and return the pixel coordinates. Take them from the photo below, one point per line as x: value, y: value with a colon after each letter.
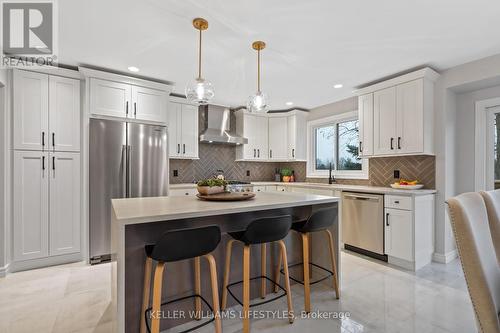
x: 258, y: 101
x: 200, y: 91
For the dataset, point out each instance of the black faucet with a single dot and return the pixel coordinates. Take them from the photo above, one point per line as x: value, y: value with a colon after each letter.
x: 331, y: 178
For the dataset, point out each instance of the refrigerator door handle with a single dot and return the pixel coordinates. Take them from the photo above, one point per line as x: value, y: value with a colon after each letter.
x: 129, y: 173
x: 123, y: 171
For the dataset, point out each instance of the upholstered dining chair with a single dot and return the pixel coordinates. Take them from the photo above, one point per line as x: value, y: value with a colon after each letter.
x: 492, y: 201
x: 469, y: 219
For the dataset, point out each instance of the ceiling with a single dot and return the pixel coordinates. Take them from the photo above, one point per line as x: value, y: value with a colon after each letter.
x: 311, y: 45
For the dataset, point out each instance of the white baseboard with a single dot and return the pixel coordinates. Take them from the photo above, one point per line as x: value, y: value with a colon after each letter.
x: 4, y: 270
x: 444, y: 258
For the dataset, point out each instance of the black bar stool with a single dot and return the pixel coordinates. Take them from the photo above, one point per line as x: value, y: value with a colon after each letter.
x: 261, y: 231
x: 174, y: 246
x: 319, y: 221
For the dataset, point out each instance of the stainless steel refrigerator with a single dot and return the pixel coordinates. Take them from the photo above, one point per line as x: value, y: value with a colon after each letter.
x: 127, y: 160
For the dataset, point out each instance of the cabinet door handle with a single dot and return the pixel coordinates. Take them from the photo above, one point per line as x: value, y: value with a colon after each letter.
x: 54, y: 163
x: 399, y: 142
x: 396, y: 202
x: 43, y: 139
x: 387, y: 219
x: 135, y: 109
x: 126, y: 108
x: 43, y: 162
x: 360, y: 146
x: 258, y: 153
x: 178, y: 148
x: 392, y: 143
x: 270, y: 153
x: 183, y: 148
x: 54, y: 141
x: 255, y: 153
x: 293, y: 153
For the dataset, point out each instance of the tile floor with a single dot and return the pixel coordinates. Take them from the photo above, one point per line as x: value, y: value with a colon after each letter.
x: 379, y: 298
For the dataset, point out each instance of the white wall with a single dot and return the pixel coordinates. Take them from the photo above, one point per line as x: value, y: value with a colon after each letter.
x: 449, y: 124
x: 3, y: 152
x: 345, y: 105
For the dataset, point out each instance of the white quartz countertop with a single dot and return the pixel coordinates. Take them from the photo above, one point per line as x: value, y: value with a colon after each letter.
x: 338, y: 187
x: 143, y: 210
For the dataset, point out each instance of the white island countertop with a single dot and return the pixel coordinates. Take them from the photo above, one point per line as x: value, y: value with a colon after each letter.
x: 152, y: 209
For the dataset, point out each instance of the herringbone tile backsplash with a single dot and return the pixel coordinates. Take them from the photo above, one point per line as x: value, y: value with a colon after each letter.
x: 420, y: 167
x: 215, y: 157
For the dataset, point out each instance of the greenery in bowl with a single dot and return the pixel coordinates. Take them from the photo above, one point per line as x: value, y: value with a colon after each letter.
x: 286, y: 172
x: 212, y: 182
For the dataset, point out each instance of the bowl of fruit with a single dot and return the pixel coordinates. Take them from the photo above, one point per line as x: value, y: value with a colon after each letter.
x: 407, y: 184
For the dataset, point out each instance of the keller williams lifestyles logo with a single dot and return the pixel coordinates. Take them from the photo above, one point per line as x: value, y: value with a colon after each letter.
x: 28, y: 33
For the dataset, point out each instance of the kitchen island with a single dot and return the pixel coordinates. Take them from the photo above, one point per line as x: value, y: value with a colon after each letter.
x: 140, y: 221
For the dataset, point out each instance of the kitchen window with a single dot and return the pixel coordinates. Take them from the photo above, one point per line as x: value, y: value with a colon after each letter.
x: 333, y: 141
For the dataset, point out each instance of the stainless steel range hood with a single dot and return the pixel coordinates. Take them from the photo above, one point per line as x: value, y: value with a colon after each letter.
x: 217, y: 121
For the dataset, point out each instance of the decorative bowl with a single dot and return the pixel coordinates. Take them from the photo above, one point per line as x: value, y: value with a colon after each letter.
x: 207, y: 190
x: 407, y: 187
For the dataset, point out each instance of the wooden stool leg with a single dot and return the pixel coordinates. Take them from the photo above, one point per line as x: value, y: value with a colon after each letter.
x: 157, y: 285
x: 334, y: 265
x: 263, y: 264
x: 246, y: 289
x: 215, y: 292
x: 227, y: 270
x: 305, y: 260
x: 287, y: 281
x: 145, y: 292
x: 197, y: 288
x: 277, y: 276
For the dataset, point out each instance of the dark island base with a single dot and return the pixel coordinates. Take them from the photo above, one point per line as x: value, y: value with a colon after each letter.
x: 179, y: 276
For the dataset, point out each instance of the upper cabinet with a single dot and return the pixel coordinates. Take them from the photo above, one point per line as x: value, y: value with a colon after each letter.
x: 396, y: 116
x: 272, y: 136
x: 366, y: 125
x: 183, y: 130
x: 46, y: 112
x: 113, y: 95
x: 115, y: 99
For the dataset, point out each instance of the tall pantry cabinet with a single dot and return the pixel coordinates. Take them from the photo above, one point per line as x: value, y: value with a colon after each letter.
x: 46, y: 168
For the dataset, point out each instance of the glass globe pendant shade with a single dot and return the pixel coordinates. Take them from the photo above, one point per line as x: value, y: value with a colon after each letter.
x: 258, y: 102
x: 200, y: 91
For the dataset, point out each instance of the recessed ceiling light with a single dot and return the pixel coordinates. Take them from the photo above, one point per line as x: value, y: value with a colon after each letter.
x: 338, y: 86
x: 289, y: 103
x: 133, y: 69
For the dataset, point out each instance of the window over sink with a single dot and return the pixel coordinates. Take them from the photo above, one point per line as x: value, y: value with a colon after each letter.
x: 333, y: 141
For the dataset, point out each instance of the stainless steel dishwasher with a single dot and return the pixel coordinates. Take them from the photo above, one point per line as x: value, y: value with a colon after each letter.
x: 363, y: 223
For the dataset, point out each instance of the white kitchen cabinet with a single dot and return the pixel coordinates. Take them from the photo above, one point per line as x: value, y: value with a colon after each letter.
x: 399, y: 234
x: 110, y: 98
x: 410, y: 117
x: 64, y: 211
x: 31, y: 110
x: 31, y: 205
x: 46, y: 204
x: 46, y: 112
x: 365, y: 114
x: 64, y: 114
x: 278, y: 131
x: 272, y: 137
x: 297, y: 131
x: 408, y: 230
x: 149, y: 104
x: 403, y: 115
x: 255, y: 128
x: 384, y: 112
x: 125, y: 100
x: 183, y: 131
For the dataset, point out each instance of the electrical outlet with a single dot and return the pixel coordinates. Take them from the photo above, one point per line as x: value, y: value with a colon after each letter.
x: 248, y: 173
x: 176, y: 173
x: 396, y: 174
